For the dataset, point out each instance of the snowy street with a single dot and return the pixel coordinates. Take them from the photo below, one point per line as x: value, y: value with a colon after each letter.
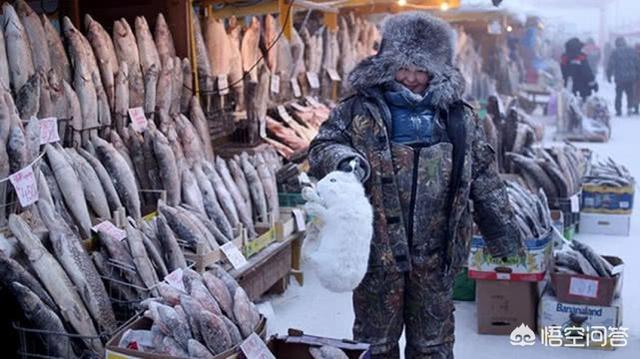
x: 317, y: 311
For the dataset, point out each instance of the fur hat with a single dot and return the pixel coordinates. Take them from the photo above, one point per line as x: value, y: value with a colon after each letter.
x: 413, y: 39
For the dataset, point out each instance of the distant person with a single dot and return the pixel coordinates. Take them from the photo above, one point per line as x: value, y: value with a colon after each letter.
x: 624, y: 67
x: 594, y: 55
x: 575, y: 66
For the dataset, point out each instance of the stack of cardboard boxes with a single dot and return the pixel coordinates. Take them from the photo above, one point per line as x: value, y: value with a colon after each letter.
x: 606, y: 210
x: 508, y: 290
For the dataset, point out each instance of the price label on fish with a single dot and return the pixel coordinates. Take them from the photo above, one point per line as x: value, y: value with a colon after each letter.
x: 295, y: 86
x: 299, y: 219
x: 575, y: 204
x: 111, y: 230
x: 223, y: 85
x: 254, y: 348
x: 263, y: 128
x: 138, y: 119
x: 233, y: 254
x: 333, y: 75
x: 312, y: 101
x: 314, y: 82
x: 24, y: 182
x: 174, y: 279
x: 275, y: 84
x: 284, y: 115
x: 48, y: 130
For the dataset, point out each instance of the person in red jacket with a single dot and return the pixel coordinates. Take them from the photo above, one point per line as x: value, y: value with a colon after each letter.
x: 575, y: 66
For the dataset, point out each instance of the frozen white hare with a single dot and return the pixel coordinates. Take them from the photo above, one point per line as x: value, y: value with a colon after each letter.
x: 339, y: 254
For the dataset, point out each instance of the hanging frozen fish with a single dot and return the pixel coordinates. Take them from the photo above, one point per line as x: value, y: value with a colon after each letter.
x: 235, y: 63
x: 141, y: 258
x: 191, y: 194
x: 214, y: 332
x: 28, y: 97
x: 224, y: 197
x: 150, y: 61
x: 127, y: 51
x: 106, y: 55
x: 187, y: 86
x: 45, y: 107
x: 297, y: 55
x: 176, y: 87
x: 218, y: 46
x: 234, y: 331
x: 182, y: 226
x: 150, y: 161
x: 211, y: 205
x: 75, y: 113
x: 105, y: 181
x: 256, y: 189
x: 55, y: 280
x: 5, y: 76
x: 164, y: 39
x: 42, y: 318
x: 250, y: 49
x: 245, y: 312
x: 164, y: 93
x: 19, y: 54
x: 168, y: 169
x: 121, y: 97
x: 17, y: 149
x: 155, y: 256
x: 271, y: 29
x: 244, y: 212
x: 36, y: 36
x: 74, y: 259
x: 198, y: 351
x: 71, y: 189
x: 220, y: 292
x: 122, y: 177
x: 60, y: 61
x: 93, y: 191
x: 12, y: 271
x: 200, y: 123
x: 205, y: 76
x: 212, y: 240
x: 191, y: 144
x: 269, y: 184
x: 173, y: 255
x: 241, y: 182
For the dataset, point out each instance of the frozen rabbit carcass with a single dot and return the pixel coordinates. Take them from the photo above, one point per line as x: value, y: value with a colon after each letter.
x: 339, y: 254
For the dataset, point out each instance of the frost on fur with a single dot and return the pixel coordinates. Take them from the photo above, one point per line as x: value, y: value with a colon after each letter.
x: 339, y: 252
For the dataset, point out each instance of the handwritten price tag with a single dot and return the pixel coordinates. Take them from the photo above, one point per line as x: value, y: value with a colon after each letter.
x: 295, y: 86
x: 24, y: 182
x: 275, y: 84
x: 233, y: 254
x: 223, y: 85
x: 333, y: 75
x: 284, y: 115
x: 299, y: 219
x: 138, y: 119
x: 575, y: 204
x: 174, y: 279
x: 314, y: 82
x: 49, y: 130
x: 111, y: 230
x: 254, y: 348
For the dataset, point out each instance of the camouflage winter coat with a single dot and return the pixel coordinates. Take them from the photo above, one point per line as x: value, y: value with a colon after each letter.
x: 358, y: 127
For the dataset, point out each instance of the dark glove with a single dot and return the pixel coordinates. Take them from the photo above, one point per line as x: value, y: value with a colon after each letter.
x: 353, y: 165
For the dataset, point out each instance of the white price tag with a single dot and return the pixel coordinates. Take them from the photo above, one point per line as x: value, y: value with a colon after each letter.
x: 263, y: 128
x: 254, y: 348
x: 49, y: 130
x: 24, y: 182
x: 174, y: 279
x: 575, y: 204
x: 111, y: 230
x: 295, y: 86
x: 138, y: 119
x: 284, y: 115
x: 313, y: 80
x: 298, y: 217
x: 333, y: 75
x: 275, y: 84
x: 298, y: 107
x: 503, y: 276
x: 223, y: 85
x: 583, y: 287
x: 312, y: 101
x: 233, y: 254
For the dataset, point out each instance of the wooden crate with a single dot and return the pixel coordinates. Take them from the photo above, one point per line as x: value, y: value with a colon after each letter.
x: 266, y: 270
x: 266, y: 236
x: 204, y: 257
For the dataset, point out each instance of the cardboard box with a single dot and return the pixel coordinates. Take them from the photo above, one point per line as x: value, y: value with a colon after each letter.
x: 607, y: 224
x: 504, y: 305
x: 531, y: 268
x: 112, y: 351
x: 607, y: 200
x: 586, y: 289
x: 580, y: 319
x: 296, y: 346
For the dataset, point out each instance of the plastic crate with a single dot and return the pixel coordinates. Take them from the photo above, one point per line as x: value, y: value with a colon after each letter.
x: 464, y: 288
x: 290, y: 199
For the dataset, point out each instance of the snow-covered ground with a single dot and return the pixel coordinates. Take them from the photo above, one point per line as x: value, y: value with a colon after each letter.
x: 317, y: 311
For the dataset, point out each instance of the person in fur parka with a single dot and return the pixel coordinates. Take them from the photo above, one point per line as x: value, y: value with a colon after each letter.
x: 422, y: 157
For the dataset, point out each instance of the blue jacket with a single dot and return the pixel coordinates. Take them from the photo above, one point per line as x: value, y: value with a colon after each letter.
x: 412, y: 115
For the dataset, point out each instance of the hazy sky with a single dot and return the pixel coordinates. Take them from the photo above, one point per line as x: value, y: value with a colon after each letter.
x: 621, y: 14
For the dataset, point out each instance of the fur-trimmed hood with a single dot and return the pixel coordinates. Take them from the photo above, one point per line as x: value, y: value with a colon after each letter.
x: 413, y: 39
